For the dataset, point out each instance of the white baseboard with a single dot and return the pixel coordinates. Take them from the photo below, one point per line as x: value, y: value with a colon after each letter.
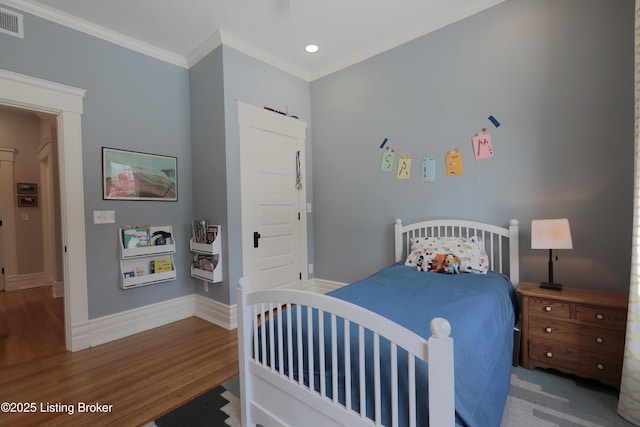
x: 24, y: 281
x: 57, y: 289
x: 120, y: 325
x: 323, y: 286
x: 109, y: 328
x: 216, y: 312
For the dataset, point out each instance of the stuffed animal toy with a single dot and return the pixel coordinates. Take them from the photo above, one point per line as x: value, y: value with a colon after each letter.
x: 437, y: 264
x: 424, y: 261
x: 451, y: 264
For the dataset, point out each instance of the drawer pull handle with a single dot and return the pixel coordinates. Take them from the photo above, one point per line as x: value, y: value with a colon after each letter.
x: 599, y: 316
x: 599, y: 340
x: 600, y: 367
x: 547, y: 308
x: 548, y: 354
x: 548, y: 330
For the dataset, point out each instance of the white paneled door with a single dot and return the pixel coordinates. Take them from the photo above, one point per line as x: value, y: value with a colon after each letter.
x: 274, y: 249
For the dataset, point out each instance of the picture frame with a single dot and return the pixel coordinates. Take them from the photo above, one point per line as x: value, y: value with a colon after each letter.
x: 28, y: 201
x: 27, y: 188
x: 132, y: 175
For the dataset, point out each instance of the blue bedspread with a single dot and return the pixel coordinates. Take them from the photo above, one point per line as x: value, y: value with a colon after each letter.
x: 481, y: 310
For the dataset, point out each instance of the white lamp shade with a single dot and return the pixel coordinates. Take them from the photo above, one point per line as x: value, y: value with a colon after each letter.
x: 551, y: 234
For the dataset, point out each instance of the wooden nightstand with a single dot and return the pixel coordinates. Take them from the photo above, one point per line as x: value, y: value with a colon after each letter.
x: 576, y: 331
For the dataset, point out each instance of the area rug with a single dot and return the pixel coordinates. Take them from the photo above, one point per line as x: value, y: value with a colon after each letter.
x: 541, y: 398
x: 537, y: 398
x: 218, y: 407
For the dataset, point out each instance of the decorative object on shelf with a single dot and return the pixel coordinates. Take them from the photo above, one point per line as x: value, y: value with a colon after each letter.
x: 130, y: 175
x: 551, y: 234
x: 206, y: 243
x: 28, y: 201
x: 161, y: 238
x: 148, y: 264
x: 27, y: 188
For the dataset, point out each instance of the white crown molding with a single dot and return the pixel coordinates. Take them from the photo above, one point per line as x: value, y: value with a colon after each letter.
x: 240, y: 45
x: 224, y: 38
x: 86, y: 27
x: 205, y: 48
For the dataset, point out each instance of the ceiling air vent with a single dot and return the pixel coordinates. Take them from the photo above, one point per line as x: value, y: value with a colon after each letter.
x: 11, y: 23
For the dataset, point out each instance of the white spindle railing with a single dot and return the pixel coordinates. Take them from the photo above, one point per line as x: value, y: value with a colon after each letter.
x: 494, y: 237
x: 273, y: 323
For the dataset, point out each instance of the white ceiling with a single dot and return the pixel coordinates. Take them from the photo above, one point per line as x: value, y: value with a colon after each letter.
x: 274, y: 31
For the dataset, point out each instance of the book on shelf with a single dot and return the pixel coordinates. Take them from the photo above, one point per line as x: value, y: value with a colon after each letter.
x: 212, y: 233
x: 205, y: 262
x: 199, y: 230
x: 203, y: 232
x: 135, y: 236
x: 160, y: 265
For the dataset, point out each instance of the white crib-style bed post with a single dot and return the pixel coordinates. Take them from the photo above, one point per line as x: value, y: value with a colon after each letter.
x: 244, y: 350
x: 441, y: 376
x: 398, y: 240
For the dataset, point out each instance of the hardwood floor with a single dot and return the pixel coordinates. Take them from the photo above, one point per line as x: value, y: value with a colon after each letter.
x: 135, y: 379
x: 31, y: 325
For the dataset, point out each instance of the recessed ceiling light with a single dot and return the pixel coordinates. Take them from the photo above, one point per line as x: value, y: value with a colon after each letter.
x: 312, y: 48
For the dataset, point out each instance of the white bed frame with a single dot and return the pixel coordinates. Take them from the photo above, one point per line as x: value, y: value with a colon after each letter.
x: 273, y: 397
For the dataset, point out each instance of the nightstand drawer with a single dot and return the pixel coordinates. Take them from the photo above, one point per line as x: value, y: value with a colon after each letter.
x: 600, y: 340
x: 577, y: 361
x: 602, y: 316
x: 543, y: 307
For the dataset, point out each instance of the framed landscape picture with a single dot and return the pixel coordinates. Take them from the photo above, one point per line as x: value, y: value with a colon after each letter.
x: 28, y: 201
x: 130, y: 175
x: 27, y: 188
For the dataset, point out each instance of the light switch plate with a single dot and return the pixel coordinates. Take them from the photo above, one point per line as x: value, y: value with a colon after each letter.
x: 104, y: 217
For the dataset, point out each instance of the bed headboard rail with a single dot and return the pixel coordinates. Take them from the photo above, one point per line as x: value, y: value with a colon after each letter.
x: 501, y: 243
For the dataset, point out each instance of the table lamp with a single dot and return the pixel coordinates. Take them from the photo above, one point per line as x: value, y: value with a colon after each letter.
x: 551, y: 234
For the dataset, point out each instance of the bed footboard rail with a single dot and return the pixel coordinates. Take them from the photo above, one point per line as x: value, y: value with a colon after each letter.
x: 291, y: 377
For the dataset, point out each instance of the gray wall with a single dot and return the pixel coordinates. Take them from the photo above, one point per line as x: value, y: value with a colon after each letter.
x: 557, y: 74
x: 251, y: 81
x: 209, y: 157
x: 133, y: 102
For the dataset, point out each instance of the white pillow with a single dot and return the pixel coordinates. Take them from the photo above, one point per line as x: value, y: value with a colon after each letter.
x: 471, y: 250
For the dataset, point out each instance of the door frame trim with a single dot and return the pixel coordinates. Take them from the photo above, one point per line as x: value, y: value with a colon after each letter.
x: 66, y: 103
x: 259, y: 118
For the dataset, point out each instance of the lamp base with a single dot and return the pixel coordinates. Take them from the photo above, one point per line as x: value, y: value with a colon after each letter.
x: 552, y: 286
